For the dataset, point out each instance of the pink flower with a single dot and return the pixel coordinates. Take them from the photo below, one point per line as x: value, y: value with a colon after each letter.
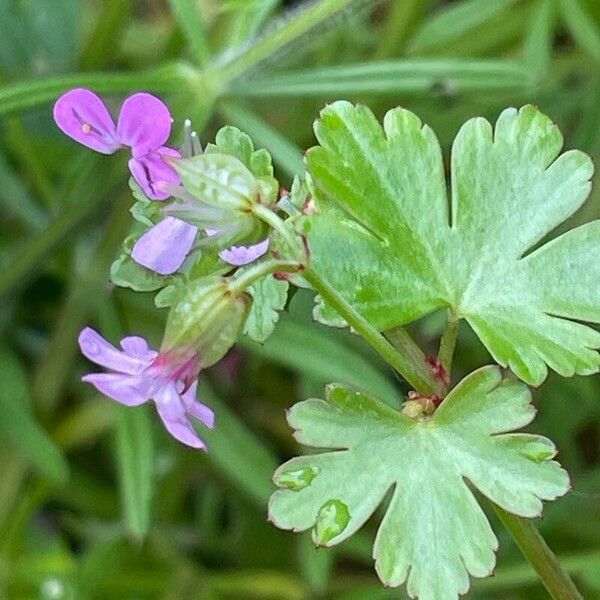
x: 144, y: 125
x: 164, y: 247
x: 138, y: 374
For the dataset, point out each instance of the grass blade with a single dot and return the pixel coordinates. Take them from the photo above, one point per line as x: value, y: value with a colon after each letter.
x: 392, y: 77
x: 328, y: 360
x: 582, y: 27
x: 450, y: 24
x: 187, y: 13
x: 284, y: 152
x: 19, y: 425
x: 135, y: 459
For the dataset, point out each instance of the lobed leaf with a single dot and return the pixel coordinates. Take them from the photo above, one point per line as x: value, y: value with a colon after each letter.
x: 388, y: 238
x: 434, y: 534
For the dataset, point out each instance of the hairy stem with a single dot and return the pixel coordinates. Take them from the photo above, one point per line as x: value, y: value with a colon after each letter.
x: 448, y: 343
x: 246, y: 278
x: 304, y: 21
x: 408, y: 360
x: 533, y: 546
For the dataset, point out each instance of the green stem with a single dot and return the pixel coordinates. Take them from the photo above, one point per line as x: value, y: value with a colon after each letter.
x: 448, y: 343
x: 246, y: 278
x: 533, y: 546
x: 417, y: 374
x: 37, y: 92
x: 302, y: 23
x: 409, y: 361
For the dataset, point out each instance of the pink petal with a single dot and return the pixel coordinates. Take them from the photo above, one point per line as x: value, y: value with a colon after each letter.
x: 98, y: 350
x: 122, y: 388
x: 144, y: 123
x: 198, y: 410
x: 164, y: 247
x: 137, y: 347
x: 243, y: 255
x: 153, y: 174
x: 172, y: 413
x: 83, y: 116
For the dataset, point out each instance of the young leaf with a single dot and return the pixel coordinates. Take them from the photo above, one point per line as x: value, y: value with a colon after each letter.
x: 431, y: 464
x: 270, y: 296
x: 398, y: 252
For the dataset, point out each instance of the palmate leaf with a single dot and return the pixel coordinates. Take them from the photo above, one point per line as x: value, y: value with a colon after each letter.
x: 434, y: 533
x: 388, y: 238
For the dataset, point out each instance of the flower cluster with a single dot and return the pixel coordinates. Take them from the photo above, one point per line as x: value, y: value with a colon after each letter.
x: 144, y: 126
x: 137, y: 374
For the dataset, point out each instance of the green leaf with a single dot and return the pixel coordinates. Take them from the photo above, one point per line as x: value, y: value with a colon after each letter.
x: 432, y: 464
x: 135, y: 458
x: 18, y: 424
x: 388, y: 240
x: 270, y: 295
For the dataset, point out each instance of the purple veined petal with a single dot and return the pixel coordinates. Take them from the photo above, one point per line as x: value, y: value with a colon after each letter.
x: 196, y: 409
x: 137, y: 347
x: 118, y: 387
x: 83, y: 116
x: 153, y: 174
x: 171, y: 410
x: 98, y: 350
x: 243, y: 255
x: 144, y: 123
x: 164, y: 247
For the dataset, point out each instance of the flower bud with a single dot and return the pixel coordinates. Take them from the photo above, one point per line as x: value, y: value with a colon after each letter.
x: 206, y: 317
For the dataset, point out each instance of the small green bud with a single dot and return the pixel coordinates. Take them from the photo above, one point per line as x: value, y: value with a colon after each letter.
x: 219, y: 180
x: 208, y: 317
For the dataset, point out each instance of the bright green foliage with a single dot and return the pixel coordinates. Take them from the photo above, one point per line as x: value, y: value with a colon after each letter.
x: 434, y: 534
x: 399, y: 250
x: 270, y: 295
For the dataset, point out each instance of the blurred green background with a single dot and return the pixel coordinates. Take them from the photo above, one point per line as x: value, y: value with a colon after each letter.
x: 97, y: 501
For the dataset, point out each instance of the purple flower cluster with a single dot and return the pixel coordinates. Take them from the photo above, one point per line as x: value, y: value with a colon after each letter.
x: 136, y: 373
x: 144, y: 125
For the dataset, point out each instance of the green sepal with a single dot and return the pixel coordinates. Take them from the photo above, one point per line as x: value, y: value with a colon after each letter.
x: 206, y: 317
x: 432, y: 465
x: 230, y: 140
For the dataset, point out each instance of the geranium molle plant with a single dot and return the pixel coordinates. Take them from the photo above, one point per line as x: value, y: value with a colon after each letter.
x: 371, y: 230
